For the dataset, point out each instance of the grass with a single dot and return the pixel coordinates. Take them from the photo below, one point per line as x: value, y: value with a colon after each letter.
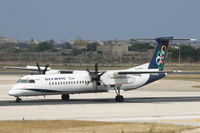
x: 74, y: 126
x: 183, y: 77
x: 183, y: 67
x: 196, y: 86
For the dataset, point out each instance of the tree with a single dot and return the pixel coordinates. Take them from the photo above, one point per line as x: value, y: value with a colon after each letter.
x: 140, y: 47
x: 44, y: 46
x: 186, y: 51
x: 92, y: 46
x: 76, y: 51
x: 80, y: 41
x: 66, y: 45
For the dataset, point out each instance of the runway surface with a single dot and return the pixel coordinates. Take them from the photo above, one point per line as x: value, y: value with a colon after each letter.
x: 167, y: 101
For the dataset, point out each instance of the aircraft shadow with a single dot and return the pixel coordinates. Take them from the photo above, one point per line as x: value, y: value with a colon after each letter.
x: 99, y: 101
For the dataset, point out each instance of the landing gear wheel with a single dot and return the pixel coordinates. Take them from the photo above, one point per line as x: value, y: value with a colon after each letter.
x: 119, y: 98
x: 65, y: 97
x: 18, y: 100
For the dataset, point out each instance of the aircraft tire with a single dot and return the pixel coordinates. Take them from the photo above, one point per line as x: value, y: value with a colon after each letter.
x: 18, y: 100
x: 119, y: 98
x: 65, y: 97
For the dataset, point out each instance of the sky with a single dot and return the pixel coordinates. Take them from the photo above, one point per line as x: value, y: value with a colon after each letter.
x: 99, y: 19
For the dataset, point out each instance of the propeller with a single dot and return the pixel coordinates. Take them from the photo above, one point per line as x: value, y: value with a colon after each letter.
x: 38, y: 66
x: 40, y: 70
x: 96, y: 76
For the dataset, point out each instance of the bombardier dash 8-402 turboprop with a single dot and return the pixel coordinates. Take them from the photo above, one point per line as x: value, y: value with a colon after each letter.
x: 56, y: 82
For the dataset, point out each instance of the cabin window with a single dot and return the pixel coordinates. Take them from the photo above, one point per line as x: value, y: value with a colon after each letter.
x: 63, y: 82
x: 80, y: 82
x: 83, y: 82
x: 55, y: 83
x: 71, y: 82
x: 74, y: 82
x: 77, y: 82
x: 49, y: 83
x: 52, y: 83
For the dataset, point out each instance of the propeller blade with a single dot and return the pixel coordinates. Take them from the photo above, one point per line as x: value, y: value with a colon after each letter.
x: 96, y: 67
x: 101, y: 74
x: 90, y: 74
x: 44, y: 71
x: 102, y: 82
x: 38, y: 66
x: 88, y: 71
x: 95, y: 77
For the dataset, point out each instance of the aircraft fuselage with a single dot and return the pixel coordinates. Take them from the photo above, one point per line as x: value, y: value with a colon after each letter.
x: 77, y: 82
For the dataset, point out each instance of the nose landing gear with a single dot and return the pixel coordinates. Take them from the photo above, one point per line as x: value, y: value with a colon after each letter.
x: 18, y: 100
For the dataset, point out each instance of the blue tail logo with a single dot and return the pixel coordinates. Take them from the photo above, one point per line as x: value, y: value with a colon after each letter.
x: 158, y: 59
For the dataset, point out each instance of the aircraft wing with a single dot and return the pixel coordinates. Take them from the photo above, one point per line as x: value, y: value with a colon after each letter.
x: 28, y: 68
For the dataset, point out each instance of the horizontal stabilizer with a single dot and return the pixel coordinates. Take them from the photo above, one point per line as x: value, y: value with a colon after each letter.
x: 168, y: 38
x: 144, y: 72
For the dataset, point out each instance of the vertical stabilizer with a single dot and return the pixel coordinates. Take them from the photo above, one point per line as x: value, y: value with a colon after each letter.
x: 158, y: 59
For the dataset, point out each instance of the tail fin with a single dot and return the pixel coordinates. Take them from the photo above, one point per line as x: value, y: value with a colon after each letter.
x: 158, y: 59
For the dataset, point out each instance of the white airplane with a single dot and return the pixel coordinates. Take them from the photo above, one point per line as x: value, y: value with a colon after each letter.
x: 56, y: 82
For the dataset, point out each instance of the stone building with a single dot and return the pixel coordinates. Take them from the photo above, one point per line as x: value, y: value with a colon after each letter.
x: 113, y: 50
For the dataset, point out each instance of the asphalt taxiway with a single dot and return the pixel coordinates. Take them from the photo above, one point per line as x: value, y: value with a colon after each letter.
x: 167, y: 101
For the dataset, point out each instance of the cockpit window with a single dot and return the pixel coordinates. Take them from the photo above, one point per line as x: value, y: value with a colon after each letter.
x: 31, y: 81
x: 26, y: 81
x: 22, y: 81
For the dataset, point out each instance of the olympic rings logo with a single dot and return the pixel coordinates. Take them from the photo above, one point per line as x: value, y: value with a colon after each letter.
x: 161, y: 57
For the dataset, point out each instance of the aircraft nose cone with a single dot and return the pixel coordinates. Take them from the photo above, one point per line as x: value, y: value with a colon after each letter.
x: 12, y: 91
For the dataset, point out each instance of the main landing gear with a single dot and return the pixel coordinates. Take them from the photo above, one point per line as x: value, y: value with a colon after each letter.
x: 65, y: 97
x: 18, y: 100
x: 118, y: 98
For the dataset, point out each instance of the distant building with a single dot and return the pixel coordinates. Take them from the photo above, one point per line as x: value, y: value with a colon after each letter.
x: 175, y: 46
x: 76, y: 46
x: 66, y: 51
x: 32, y: 42
x: 4, y: 40
x: 113, y: 50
